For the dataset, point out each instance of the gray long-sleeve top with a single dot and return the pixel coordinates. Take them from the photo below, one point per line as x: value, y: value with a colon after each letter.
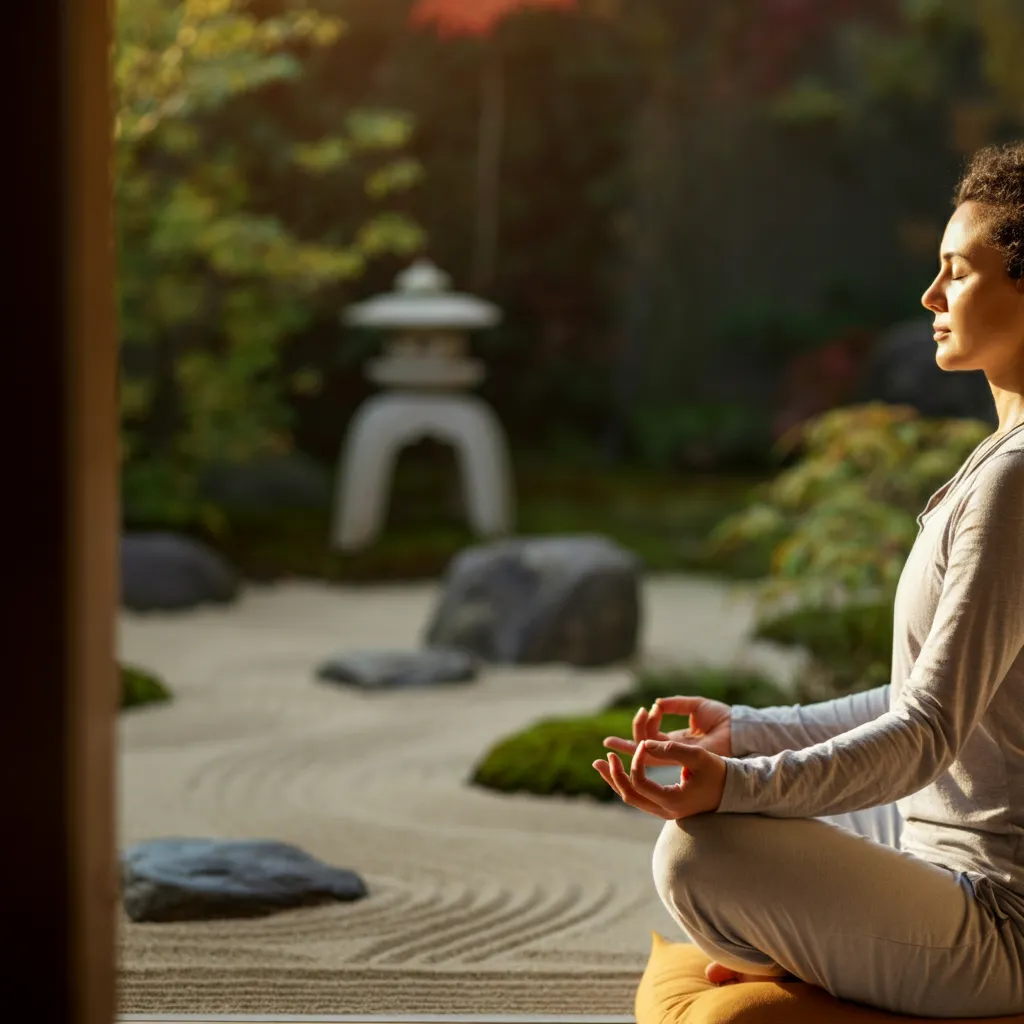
x: 944, y: 738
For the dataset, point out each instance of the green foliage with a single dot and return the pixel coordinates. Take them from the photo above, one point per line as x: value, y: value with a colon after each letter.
x: 964, y: 56
x: 725, y: 684
x: 841, y: 521
x: 1001, y: 26
x: 139, y: 687
x: 212, y: 284
x: 556, y: 755
x: 852, y: 645
x: 842, y: 518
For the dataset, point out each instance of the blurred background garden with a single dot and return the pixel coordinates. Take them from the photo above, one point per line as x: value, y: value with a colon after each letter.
x: 705, y: 226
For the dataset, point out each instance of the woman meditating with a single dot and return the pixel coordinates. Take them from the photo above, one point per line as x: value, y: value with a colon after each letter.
x: 873, y: 845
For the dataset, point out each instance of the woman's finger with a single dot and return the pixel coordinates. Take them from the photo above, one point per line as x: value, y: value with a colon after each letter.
x: 617, y: 743
x: 654, y: 721
x: 605, y: 771
x: 679, y: 705
x: 689, y: 754
x: 640, y: 725
x: 666, y: 797
x: 615, y: 774
x: 628, y: 747
x: 645, y: 726
x: 628, y: 792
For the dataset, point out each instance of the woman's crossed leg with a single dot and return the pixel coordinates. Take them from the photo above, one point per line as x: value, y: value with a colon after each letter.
x: 842, y: 910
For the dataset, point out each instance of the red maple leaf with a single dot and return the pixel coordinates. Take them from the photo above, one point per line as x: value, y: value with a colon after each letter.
x: 474, y: 17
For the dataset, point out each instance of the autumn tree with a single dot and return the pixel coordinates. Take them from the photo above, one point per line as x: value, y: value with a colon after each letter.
x: 481, y: 19
x: 212, y: 285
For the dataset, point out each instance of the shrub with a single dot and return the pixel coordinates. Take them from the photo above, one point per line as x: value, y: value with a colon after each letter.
x: 842, y: 520
x: 852, y: 646
x: 726, y: 685
x: 139, y: 687
x: 556, y: 755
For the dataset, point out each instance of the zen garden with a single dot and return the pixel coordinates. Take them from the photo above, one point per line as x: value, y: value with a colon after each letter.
x: 489, y: 371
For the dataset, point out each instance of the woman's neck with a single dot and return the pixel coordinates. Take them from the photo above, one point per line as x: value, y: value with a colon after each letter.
x: 1009, y: 401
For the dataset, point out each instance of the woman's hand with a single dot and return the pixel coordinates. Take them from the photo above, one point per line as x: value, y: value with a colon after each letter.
x: 710, y: 727
x: 702, y: 779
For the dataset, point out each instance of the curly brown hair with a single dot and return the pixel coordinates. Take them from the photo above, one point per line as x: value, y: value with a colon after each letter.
x: 995, y: 177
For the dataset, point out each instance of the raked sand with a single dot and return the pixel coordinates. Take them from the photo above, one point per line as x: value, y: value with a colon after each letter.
x: 479, y: 902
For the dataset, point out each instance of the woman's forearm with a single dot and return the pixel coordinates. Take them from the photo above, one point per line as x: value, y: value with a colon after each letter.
x: 794, y: 726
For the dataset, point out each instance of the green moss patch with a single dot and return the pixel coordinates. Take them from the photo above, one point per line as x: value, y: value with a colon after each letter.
x: 139, y: 687
x: 556, y: 755
x: 726, y: 685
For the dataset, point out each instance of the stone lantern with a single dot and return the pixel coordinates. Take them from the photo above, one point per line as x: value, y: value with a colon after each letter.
x: 425, y: 372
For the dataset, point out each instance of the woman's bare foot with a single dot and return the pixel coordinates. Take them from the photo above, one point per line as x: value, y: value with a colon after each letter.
x: 719, y: 974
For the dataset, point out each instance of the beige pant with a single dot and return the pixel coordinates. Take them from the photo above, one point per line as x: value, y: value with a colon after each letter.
x: 834, y: 902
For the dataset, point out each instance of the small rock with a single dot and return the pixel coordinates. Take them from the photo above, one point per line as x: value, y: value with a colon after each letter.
x: 206, y: 879
x: 379, y: 670
x: 167, y: 572
x: 570, y: 599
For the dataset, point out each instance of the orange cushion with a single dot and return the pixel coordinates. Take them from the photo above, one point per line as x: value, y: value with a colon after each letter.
x: 673, y: 990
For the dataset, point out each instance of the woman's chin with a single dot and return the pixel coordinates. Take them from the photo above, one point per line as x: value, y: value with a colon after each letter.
x: 945, y: 356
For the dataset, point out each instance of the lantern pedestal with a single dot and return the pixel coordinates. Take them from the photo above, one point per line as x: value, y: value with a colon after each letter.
x: 389, y: 422
x: 426, y: 369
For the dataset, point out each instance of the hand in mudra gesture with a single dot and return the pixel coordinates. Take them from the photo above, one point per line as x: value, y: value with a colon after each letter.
x: 710, y: 726
x: 698, y: 751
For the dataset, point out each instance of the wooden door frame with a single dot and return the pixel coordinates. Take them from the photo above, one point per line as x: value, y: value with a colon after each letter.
x: 60, y: 461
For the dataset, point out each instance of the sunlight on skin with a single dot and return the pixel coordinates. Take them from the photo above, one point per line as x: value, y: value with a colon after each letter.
x: 979, y: 311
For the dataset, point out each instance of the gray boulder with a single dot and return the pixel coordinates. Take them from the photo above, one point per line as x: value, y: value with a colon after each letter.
x: 206, y: 879
x: 167, y: 572
x: 381, y: 670
x: 570, y: 599
x: 901, y: 370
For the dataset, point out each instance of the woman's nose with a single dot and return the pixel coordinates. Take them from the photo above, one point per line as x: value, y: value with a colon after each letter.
x: 934, y: 299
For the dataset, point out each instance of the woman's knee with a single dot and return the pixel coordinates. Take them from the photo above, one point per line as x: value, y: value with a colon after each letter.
x: 696, y: 875
x: 688, y: 851
x: 726, y: 852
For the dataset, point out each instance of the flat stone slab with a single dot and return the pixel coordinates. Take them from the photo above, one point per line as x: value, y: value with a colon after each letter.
x: 384, y: 670
x: 207, y: 879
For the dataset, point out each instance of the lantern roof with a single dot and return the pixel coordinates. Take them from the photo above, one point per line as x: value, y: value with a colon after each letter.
x: 422, y: 298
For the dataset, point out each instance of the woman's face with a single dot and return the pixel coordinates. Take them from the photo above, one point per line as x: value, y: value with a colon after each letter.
x: 978, y: 307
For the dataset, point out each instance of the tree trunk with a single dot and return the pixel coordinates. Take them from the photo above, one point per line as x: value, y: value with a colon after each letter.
x: 488, y: 185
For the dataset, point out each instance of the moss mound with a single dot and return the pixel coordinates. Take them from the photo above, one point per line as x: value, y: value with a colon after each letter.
x: 726, y: 685
x: 556, y: 755
x: 139, y: 687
